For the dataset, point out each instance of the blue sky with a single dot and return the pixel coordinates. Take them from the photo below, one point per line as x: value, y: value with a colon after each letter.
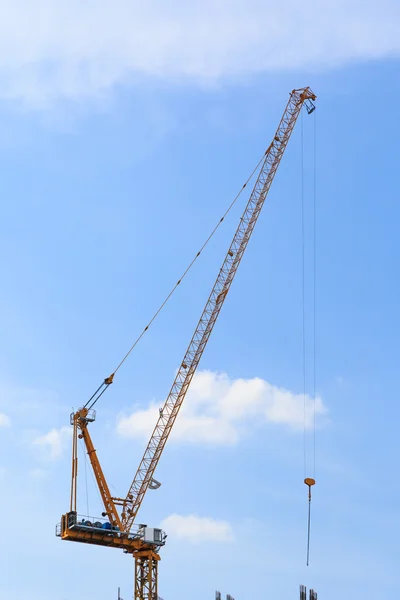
x: 121, y: 147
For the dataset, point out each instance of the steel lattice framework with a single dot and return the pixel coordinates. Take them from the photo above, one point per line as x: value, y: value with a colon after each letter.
x: 303, y: 593
x: 146, y: 577
x: 213, y: 306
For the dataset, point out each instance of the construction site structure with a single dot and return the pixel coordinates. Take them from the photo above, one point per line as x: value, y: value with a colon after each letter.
x: 303, y: 593
x: 218, y: 596
x: 121, y: 598
x: 116, y: 528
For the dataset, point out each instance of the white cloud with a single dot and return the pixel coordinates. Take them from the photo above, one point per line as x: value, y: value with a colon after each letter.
x: 74, y: 49
x: 54, y: 442
x: 4, y: 420
x: 220, y: 411
x: 37, y: 473
x: 196, y: 529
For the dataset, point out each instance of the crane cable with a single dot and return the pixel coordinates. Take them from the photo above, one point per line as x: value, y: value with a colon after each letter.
x: 315, y: 278
x: 86, y: 477
x: 108, y: 381
x: 303, y: 298
x: 309, y: 481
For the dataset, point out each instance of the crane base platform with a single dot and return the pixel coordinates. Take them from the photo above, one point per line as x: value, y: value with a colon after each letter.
x: 99, y: 532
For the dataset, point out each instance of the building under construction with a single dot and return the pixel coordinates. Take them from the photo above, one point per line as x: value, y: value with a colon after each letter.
x: 303, y: 593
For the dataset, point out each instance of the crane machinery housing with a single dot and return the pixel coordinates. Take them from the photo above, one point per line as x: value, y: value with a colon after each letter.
x: 117, y: 528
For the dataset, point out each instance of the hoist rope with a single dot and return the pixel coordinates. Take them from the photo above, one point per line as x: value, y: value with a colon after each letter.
x: 102, y: 388
x: 308, y: 531
x: 86, y: 478
x: 309, y: 412
x: 309, y: 481
x: 315, y: 282
x: 303, y: 301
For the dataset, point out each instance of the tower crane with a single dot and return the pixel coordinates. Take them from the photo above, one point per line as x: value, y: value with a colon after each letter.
x: 117, y: 529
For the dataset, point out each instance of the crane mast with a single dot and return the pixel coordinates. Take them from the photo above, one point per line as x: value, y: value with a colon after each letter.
x: 119, y: 530
x: 194, y: 352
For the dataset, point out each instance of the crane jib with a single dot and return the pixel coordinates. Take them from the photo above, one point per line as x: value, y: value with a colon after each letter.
x: 170, y: 410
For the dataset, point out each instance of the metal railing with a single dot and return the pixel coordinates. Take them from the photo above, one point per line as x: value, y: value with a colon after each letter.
x: 99, y: 524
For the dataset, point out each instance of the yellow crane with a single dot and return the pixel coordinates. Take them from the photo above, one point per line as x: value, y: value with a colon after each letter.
x: 117, y: 529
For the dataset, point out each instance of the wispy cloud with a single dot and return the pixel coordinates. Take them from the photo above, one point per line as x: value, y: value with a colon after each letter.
x: 4, y: 420
x: 196, y: 530
x: 54, y: 442
x: 78, y: 49
x: 21, y: 402
x: 37, y: 473
x: 220, y: 411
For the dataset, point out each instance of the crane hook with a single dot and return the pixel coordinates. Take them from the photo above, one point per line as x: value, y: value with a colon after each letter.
x: 310, y: 482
